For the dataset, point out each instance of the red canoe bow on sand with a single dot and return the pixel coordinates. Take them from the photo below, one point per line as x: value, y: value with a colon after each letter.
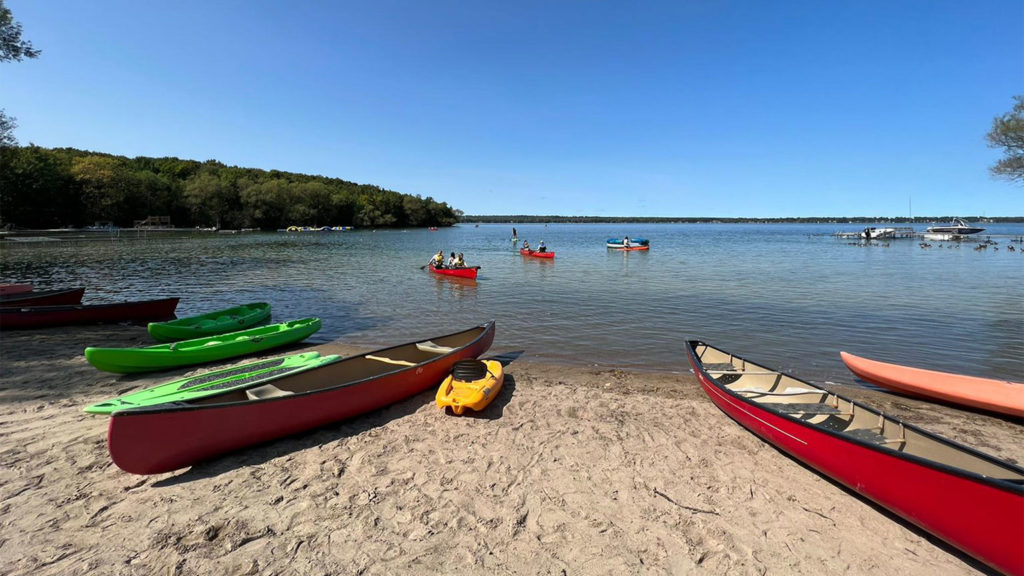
x: 1000, y: 396
x: 44, y: 298
x: 537, y: 254
x: 468, y: 272
x: 170, y: 436
x: 969, y: 499
x: 46, y: 316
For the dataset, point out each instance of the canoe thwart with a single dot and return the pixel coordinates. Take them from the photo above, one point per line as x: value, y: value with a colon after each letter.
x: 389, y: 360
x: 266, y: 391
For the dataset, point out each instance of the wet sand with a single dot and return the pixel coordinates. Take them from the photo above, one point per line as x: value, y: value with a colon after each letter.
x: 572, y: 470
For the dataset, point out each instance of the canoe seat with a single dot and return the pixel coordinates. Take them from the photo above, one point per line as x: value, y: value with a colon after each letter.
x: 389, y: 360
x: 797, y: 408
x: 870, y: 436
x: 786, y: 392
x: 266, y: 391
x: 429, y: 346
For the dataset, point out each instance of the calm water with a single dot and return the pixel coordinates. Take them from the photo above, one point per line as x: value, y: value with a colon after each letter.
x: 790, y: 296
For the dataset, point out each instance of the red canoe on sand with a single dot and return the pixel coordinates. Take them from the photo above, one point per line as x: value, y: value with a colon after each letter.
x: 971, y: 500
x: 469, y: 272
x: 45, y: 316
x: 44, y: 298
x: 537, y: 254
x: 166, y: 437
x: 1000, y: 396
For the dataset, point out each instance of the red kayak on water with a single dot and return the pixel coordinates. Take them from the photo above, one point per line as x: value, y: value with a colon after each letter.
x: 45, y: 316
x: 468, y: 272
x: 536, y: 254
x: 43, y: 298
x: 971, y: 500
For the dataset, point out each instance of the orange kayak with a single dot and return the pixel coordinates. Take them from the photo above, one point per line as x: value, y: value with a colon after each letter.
x: 1000, y: 396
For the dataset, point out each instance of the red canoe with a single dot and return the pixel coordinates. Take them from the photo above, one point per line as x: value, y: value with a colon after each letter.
x: 44, y: 298
x: 44, y: 316
x: 7, y: 289
x: 469, y: 272
x: 1000, y: 396
x: 971, y: 500
x: 537, y: 254
x: 170, y: 436
x: 630, y: 249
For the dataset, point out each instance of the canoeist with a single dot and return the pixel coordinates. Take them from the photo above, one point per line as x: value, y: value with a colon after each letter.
x: 541, y: 247
x: 451, y: 260
x: 526, y: 245
x: 625, y: 241
x: 438, y: 260
x: 460, y: 261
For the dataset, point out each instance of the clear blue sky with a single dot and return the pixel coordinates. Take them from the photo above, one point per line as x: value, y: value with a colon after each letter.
x: 574, y: 107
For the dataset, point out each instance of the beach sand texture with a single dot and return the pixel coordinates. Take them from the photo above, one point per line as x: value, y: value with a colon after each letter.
x: 572, y: 470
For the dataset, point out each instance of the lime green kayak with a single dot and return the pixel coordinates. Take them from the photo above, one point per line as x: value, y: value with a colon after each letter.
x: 200, y: 350
x: 216, y: 382
x: 219, y: 322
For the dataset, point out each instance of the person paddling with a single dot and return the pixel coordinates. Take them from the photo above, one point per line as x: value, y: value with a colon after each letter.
x: 438, y: 260
x: 541, y: 247
x: 460, y: 261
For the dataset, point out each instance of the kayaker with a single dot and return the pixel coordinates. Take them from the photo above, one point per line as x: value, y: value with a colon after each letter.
x: 541, y: 247
x: 438, y: 260
x: 625, y: 242
x: 451, y: 260
x: 460, y: 261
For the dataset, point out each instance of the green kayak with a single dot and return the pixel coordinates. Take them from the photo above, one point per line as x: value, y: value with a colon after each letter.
x: 219, y: 322
x: 200, y: 350
x: 209, y: 383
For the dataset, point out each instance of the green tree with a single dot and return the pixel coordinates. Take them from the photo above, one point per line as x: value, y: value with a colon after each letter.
x: 12, y: 47
x: 1008, y: 133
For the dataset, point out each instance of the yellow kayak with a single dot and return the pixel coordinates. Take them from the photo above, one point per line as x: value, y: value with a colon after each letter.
x: 472, y: 384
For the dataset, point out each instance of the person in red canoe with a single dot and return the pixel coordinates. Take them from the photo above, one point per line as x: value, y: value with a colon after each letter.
x: 451, y: 260
x: 526, y: 245
x: 460, y: 261
x: 541, y: 247
x: 438, y: 260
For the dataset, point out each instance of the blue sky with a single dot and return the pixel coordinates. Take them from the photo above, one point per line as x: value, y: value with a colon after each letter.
x: 608, y: 108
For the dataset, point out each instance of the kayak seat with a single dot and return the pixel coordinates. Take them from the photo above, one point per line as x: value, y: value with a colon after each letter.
x: 429, y: 346
x: 266, y: 391
x: 389, y: 360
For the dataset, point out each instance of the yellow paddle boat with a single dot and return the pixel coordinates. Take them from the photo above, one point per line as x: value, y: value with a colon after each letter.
x: 472, y: 384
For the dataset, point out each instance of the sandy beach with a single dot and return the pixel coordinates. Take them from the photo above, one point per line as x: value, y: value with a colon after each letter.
x: 572, y: 470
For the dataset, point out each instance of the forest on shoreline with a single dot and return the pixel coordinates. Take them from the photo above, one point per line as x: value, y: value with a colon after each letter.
x: 44, y: 188
x: 528, y: 219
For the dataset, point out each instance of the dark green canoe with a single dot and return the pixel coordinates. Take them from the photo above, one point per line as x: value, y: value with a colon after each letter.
x: 212, y: 323
x: 200, y: 350
x: 209, y: 383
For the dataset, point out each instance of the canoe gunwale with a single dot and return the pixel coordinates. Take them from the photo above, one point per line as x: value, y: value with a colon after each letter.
x: 1006, y: 485
x: 488, y: 328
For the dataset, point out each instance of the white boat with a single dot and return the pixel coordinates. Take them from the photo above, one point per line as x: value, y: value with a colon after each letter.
x: 873, y: 233
x: 958, y: 227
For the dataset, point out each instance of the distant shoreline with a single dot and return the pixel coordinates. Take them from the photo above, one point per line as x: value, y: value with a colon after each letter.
x: 525, y: 219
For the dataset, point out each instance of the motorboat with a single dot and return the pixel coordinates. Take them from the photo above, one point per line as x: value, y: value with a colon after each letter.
x: 958, y: 227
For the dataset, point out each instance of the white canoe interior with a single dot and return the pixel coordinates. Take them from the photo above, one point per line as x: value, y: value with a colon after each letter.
x: 799, y: 400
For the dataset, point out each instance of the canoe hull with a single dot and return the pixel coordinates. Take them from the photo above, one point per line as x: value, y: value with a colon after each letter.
x: 219, y: 322
x: 456, y: 272
x: 68, y: 297
x: 536, y: 254
x: 47, y: 316
x: 8, y: 289
x: 200, y: 350
x: 983, y: 520
x: 155, y: 440
x: 993, y: 395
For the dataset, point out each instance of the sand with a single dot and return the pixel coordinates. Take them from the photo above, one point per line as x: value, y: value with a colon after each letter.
x: 573, y: 470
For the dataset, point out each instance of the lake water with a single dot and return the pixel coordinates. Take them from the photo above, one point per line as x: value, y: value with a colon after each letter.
x: 787, y: 295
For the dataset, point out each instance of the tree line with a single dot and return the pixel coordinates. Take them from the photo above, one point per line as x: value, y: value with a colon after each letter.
x: 60, y: 187
x: 530, y: 219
